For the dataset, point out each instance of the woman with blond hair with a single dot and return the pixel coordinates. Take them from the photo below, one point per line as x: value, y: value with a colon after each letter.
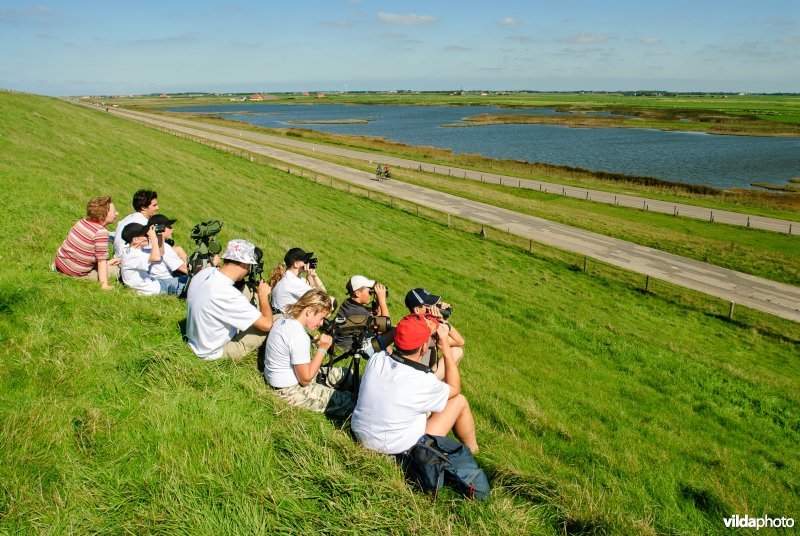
x: 291, y: 369
x: 84, y: 253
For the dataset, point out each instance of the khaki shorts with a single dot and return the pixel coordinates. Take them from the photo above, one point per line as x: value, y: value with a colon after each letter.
x: 333, y: 398
x: 244, y: 343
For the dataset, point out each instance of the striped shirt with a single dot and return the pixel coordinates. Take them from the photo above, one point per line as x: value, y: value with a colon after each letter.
x: 86, y: 243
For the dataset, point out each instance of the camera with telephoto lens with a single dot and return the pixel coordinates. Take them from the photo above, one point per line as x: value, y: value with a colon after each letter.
x: 255, y: 275
x: 356, y: 325
x: 205, y: 245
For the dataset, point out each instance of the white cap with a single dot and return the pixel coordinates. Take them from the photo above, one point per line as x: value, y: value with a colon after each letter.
x: 241, y: 251
x: 359, y: 281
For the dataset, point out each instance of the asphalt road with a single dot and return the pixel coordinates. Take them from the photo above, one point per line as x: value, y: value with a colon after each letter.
x: 775, y: 298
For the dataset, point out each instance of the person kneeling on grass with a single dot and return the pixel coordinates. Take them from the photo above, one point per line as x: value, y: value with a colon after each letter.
x: 84, y: 253
x: 397, y: 392
x: 141, y: 252
x: 220, y: 320
x: 292, y: 371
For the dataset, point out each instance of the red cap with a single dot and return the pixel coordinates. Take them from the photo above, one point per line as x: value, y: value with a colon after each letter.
x: 413, y: 331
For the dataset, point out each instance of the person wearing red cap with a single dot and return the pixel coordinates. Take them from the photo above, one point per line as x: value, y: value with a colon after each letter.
x: 398, y: 392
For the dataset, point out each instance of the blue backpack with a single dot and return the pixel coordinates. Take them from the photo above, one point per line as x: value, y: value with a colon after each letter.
x: 436, y: 460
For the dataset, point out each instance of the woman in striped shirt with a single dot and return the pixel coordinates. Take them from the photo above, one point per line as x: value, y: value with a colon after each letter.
x: 84, y: 253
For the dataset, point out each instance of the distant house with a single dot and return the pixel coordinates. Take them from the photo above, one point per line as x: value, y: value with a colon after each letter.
x: 256, y: 97
x: 164, y: 96
x: 320, y: 95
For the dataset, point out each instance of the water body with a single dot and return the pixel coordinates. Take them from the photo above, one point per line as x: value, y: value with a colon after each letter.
x: 720, y: 161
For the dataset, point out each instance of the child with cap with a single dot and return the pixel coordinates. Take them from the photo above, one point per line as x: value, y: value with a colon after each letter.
x: 366, y: 298
x: 420, y: 301
x: 287, y: 285
x: 140, y: 253
x: 398, y: 392
x: 173, y: 258
x: 220, y: 321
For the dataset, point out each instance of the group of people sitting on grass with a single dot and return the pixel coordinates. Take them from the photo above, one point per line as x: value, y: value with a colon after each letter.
x: 410, y: 387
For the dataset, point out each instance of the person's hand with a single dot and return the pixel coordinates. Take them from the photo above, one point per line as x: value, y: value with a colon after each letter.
x: 312, y: 272
x: 114, y: 262
x: 433, y: 310
x: 443, y: 305
x: 151, y: 232
x: 325, y: 342
x: 441, y: 332
x: 264, y: 287
x: 380, y: 291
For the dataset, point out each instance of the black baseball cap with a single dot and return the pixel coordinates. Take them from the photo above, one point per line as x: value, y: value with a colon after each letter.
x: 420, y: 296
x: 160, y: 219
x: 297, y: 254
x: 132, y: 230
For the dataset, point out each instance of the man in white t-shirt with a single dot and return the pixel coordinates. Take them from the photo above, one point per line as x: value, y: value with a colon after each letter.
x: 220, y: 321
x: 397, y: 393
x: 145, y: 205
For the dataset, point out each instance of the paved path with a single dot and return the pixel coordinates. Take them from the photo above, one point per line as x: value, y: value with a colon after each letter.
x: 654, y: 205
x: 768, y: 296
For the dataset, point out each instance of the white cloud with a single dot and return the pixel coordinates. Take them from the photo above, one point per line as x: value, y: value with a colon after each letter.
x: 406, y: 20
x: 510, y: 21
x: 651, y: 41
x: 793, y: 40
x: 587, y: 38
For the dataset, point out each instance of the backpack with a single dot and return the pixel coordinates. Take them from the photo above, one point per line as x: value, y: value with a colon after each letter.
x: 437, y: 460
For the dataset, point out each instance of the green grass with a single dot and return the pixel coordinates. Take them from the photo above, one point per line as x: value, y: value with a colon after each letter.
x: 599, y: 408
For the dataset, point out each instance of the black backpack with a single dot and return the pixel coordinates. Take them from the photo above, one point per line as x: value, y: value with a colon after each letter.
x: 437, y: 460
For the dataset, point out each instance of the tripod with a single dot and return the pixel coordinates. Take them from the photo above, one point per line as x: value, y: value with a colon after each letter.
x: 355, y: 352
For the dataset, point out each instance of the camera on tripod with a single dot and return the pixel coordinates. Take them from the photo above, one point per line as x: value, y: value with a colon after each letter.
x: 206, y: 245
x: 356, y: 325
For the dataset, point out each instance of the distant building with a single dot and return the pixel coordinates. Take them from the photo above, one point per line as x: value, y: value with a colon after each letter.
x: 320, y: 95
x: 256, y: 97
x: 164, y: 96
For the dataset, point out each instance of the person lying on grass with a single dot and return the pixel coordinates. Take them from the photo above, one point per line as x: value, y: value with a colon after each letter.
x: 420, y: 301
x: 398, y: 393
x: 141, y: 252
x: 84, y: 253
x: 220, y: 321
x: 291, y: 369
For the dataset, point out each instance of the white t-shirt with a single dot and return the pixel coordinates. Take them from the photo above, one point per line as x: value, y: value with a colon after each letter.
x: 215, y: 312
x: 393, y: 403
x: 119, y: 243
x: 288, y: 290
x: 170, y: 261
x: 288, y: 344
x: 134, y: 268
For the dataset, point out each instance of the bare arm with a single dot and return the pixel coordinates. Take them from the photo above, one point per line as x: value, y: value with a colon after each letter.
x: 455, y: 337
x: 155, y: 251
x: 102, y: 274
x: 451, y: 375
x: 264, y: 322
x: 380, y: 294
x: 308, y: 371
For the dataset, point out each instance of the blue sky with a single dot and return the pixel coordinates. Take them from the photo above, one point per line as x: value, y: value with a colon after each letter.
x: 88, y: 47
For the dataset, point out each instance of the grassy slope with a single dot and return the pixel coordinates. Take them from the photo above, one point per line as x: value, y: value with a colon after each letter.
x: 598, y: 407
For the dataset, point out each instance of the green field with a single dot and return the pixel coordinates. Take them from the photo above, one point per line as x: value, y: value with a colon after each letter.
x: 599, y: 408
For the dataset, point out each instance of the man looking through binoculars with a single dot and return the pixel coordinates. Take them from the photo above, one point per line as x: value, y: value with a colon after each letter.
x: 420, y: 301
